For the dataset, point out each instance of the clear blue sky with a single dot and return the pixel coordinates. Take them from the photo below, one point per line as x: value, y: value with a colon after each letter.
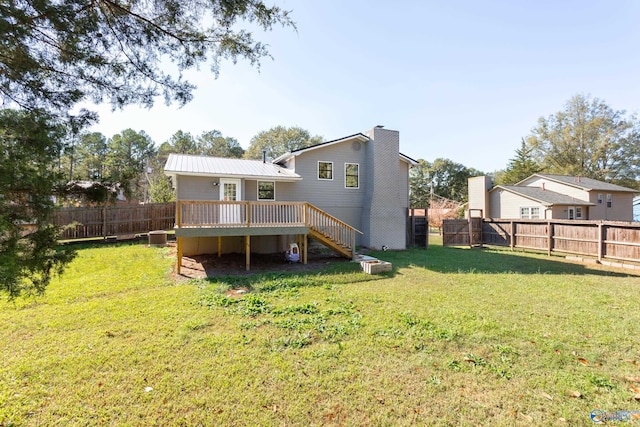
x: 463, y: 80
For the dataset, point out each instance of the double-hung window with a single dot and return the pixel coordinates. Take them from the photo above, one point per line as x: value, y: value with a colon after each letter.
x: 351, y: 175
x: 325, y: 170
x: 530, y: 213
x: 266, y: 190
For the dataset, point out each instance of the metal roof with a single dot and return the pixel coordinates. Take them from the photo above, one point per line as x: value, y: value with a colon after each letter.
x: 546, y: 197
x: 185, y: 164
x: 582, y: 182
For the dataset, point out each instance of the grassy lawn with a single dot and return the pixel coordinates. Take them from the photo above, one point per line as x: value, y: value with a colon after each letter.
x: 451, y: 337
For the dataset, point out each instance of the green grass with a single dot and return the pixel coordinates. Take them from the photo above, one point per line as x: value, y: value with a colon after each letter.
x: 451, y: 337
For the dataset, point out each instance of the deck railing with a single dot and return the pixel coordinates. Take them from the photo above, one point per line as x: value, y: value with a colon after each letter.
x: 221, y: 214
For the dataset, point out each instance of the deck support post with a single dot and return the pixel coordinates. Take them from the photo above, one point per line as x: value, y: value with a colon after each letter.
x: 247, y: 250
x: 219, y: 246
x: 353, y: 246
x: 179, y: 255
x: 306, y: 241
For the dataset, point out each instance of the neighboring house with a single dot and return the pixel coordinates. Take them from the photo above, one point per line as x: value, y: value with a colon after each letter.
x: 347, y: 192
x: 636, y: 208
x: 546, y: 196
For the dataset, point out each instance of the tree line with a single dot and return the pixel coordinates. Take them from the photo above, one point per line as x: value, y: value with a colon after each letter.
x: 586, y: 138
x: 131, y: 163
x: 56, y: 56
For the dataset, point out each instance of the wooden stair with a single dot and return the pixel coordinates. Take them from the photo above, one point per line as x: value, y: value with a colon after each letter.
x: 331, y: 232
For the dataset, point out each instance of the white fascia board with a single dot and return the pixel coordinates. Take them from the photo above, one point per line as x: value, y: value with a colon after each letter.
x: 232, y: 176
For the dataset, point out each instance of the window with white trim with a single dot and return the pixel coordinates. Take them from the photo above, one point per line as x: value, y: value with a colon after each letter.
x: 266, y: 190
x: 578, y: 212
x: 351, y: 175
x: 530, y: 213
x: 600, y: 198
x: 325, y: 170
x: 609, y: 200
x: 535, y: 213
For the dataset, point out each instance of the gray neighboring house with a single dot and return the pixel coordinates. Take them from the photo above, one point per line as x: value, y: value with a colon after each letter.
x: 352, y: 191
x: 548, y: 196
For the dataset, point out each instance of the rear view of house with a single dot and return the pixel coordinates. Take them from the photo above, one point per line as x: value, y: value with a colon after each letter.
x: 346, y: 192
x: 547, y: 196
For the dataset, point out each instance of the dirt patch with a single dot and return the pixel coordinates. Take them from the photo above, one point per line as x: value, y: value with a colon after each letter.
x: 204, y: 266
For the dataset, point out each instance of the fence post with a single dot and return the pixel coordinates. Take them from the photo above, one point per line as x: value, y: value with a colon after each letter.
x: 152, y: 225
x: 549, y: 238
x: 512, y: 235
x: 104, y: 222
x: 600, y: 242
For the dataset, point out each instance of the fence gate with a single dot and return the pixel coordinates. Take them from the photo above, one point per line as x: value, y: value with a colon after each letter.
x: 418, y: 228
x: 462, y: 232
x: 455, y: 232
x: 476, y: 231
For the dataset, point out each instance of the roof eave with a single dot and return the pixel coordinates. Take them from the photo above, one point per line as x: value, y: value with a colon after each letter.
x: 409, y: 160
x: 286, y: 156
x: 542, y: 202
x: 233, y: 176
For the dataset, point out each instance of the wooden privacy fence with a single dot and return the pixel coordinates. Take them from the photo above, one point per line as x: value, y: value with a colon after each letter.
x: 615, y: 241
x: 119, y: 220
x: 455, y: 232
x: 418, y: 227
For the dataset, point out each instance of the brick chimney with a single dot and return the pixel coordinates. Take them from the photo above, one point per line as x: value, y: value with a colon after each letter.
x: 384, y: 213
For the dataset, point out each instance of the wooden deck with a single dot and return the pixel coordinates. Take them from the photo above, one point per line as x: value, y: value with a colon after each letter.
x: 198, y: 218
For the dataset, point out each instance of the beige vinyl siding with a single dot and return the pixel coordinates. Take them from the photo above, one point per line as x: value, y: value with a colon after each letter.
x: 620, y: 210
x: 560, y: 212
x: 505, y: 204
x: 478, y: 197
x: 558, y: 188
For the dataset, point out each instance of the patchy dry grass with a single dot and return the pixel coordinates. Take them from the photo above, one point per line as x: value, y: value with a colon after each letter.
x: 451, y: 337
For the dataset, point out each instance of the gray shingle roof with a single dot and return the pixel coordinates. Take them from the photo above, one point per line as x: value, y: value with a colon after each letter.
x: 185, y: 164
x: 356, y: 136
x: 588, y: 184
x: 546, y: 197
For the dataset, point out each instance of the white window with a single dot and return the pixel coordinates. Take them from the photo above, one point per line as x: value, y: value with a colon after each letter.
x: 530, y: 213
x: 351, y: 175
x: 578, y: 213
x: 609, y: 200
x: 600, y: 198
x: 266, y: 190
x: 325, y: 170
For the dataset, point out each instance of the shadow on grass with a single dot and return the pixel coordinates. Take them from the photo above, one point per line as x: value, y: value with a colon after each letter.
x: 484, y: 260
x: 329, y: 274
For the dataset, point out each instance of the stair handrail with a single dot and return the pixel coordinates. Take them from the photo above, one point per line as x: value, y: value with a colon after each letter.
x: 329, y: 216
x: 341, y: 236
